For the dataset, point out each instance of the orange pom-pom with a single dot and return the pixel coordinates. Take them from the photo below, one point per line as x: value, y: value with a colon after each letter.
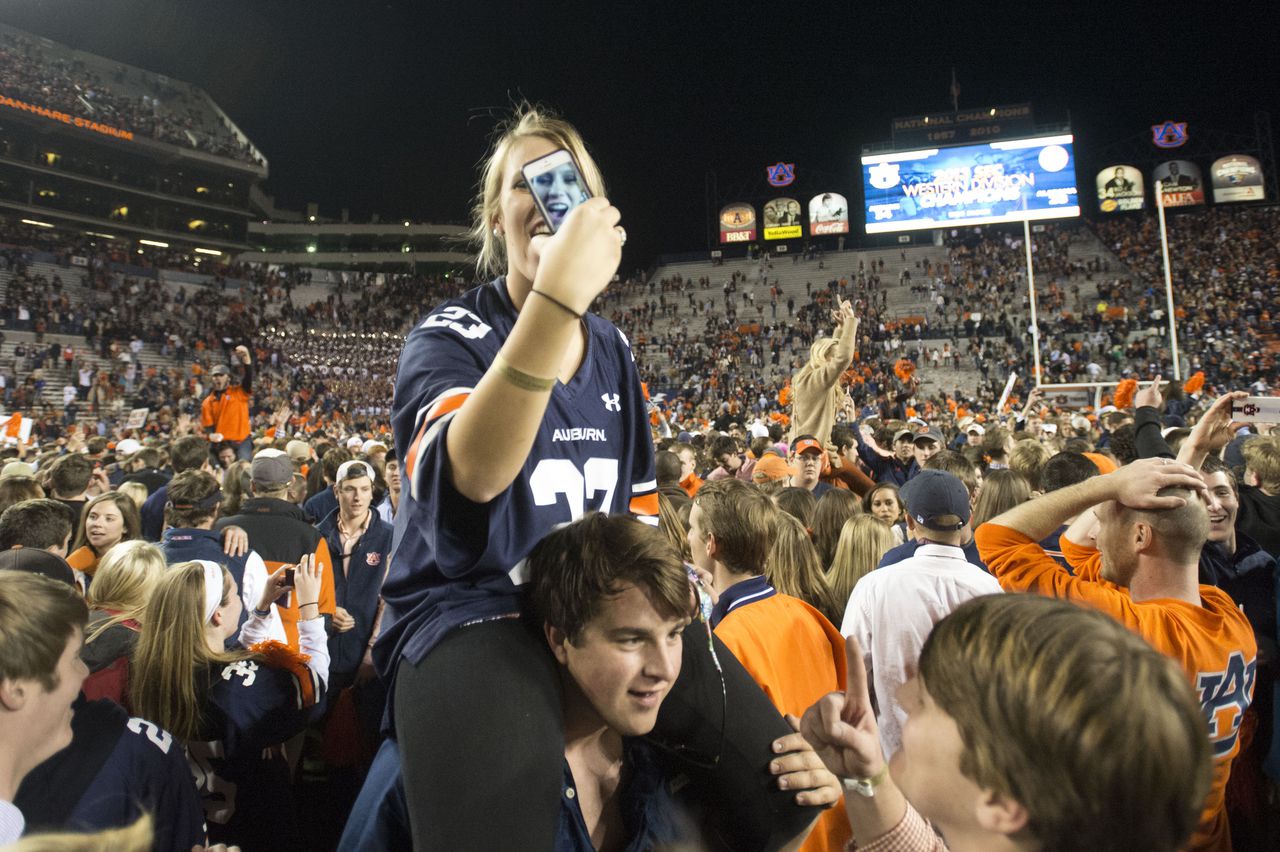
x: 904, y: 369
x: 278, y: 655
x: 1195, y: 384
x: 1125, y: 392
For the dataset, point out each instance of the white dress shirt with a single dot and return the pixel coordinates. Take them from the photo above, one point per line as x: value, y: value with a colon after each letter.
x: 892, y: 611
x: 12, y: 823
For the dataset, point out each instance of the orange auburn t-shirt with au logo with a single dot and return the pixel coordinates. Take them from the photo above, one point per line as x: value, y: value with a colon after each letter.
x: 1213, y: 642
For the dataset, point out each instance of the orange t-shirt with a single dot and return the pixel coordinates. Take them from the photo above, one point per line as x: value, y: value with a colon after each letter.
x: 691, y: 484
x: 1213, y: 642
x: 796, y: 656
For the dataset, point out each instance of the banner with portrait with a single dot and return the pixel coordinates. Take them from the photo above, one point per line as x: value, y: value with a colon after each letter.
x: 1237, y: 177
x: 782, y: 219
x: 1180, y: 183
x: 737, y: 223
x: 1120, y: 188
x: 828, y: 214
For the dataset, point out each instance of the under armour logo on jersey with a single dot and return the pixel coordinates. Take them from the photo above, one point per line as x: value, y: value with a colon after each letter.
x: 246, y: 669
x: 612, y: 401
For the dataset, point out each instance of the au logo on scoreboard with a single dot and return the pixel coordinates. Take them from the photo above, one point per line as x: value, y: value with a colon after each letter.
x: 1171, y: 134
x: 781, y: 174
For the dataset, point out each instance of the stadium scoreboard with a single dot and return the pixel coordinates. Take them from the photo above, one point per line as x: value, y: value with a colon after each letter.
x: 1007, y: 180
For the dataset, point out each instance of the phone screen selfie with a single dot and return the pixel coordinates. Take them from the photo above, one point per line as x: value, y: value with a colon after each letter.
x: 557, y: 186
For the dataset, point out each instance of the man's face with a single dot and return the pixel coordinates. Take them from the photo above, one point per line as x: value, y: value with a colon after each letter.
x: 220, y: 381
x: 688, y: 462
x: 48, y: 712
x: 354, y: 496
x: 1114, y: 540
x: 973, y: 439
x: 925, y: 449
x: 904, y: 449
x: 698, y: 540
x: 927, y: 767
x: 809, y: 467
x: 625, y: 660
x: 729, y: 461
x: 226, y: 456
x: 392, y: 475
x: 1223, y: 506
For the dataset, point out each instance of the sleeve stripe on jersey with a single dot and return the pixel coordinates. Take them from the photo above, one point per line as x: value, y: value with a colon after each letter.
x: 651, y: 520
x: 640, y: 487
x: 430, y: 417
x: 645, y: 504
x: 309, y: 687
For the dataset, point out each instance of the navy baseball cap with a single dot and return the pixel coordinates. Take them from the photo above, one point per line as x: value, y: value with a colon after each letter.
x: 932, y: 434
x: 933, y: 494
x: 37, y: 561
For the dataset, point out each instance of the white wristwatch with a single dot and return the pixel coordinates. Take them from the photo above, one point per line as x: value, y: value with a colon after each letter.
x: 866, y: 787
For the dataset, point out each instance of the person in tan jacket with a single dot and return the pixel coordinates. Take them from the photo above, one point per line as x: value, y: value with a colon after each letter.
x: 815, y: 390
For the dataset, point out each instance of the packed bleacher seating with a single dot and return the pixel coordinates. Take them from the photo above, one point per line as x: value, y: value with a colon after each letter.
x: 45, y: 75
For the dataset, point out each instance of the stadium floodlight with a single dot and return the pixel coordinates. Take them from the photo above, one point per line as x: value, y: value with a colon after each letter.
x: 213, y: 252
x: 37, y: 223
x: 101, y: 236
x: 155, y: 243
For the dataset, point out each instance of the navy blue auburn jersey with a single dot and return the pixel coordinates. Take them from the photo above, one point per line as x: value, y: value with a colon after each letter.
x: 239, y: 765
x: 455, y: 561
x: 136, y: 767
x: 146, y: 771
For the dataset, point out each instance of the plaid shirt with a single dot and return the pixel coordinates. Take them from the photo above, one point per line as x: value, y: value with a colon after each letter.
x: 912, y: 834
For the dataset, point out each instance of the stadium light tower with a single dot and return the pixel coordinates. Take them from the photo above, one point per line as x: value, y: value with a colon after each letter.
x: 1168, y: 282
x: 1031, y: 286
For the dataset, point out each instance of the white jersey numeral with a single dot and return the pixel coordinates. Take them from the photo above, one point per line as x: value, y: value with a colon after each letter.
x: 218, y: 793
x: 460, y: 320
x: 161, y: 738
x: 555, y: 477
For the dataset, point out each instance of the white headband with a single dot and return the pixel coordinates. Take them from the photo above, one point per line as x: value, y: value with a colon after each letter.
x: 212, y: 588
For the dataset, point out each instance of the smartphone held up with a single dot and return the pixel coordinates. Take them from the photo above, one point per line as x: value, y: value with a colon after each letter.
x: 557, y: 186
x: 1256, y: 409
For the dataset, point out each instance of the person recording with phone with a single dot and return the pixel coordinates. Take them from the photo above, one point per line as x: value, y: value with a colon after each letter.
x: 233, y: 706
x: 523, y: 353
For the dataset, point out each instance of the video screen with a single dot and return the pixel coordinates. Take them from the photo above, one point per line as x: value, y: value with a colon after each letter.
x: 1006, y: 181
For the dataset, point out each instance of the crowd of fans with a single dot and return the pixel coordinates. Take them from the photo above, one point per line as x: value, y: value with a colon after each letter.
x: 178, y: 116
x: 911, y: 507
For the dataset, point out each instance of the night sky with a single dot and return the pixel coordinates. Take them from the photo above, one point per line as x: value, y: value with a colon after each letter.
x: 385, y: 106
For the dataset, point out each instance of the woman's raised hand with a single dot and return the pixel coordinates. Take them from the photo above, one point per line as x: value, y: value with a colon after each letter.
x: 578, y: 261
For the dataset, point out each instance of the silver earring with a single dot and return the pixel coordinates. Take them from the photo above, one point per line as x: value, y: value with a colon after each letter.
x: 496, y: 232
